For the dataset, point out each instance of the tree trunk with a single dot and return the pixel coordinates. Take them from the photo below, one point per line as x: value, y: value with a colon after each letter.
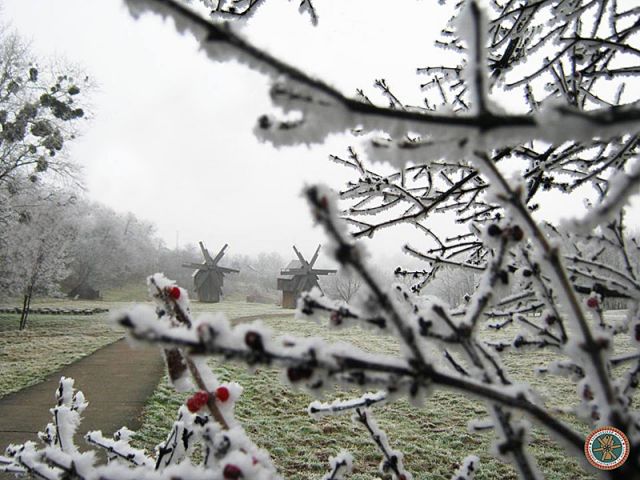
x: 26, y: 306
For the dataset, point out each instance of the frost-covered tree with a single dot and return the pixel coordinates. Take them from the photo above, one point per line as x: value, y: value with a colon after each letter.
x: 459, y: 156
x: 344, y: 285
x: 109, y: 249
x: 39, y: 111
x: 35, y: 250
x: 40, y: 107
x: 256, y: 281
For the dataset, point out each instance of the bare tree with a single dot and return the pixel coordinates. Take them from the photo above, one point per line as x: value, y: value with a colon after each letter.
x: 343, y: 285
x: 454, y: 286
x: 454, y: 155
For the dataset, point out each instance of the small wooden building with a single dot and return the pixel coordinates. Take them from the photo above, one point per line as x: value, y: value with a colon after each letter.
x: 209, y: 276
x: 299, y: 276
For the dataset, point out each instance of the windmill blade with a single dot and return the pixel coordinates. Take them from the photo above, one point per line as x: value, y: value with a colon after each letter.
x: 300, y: 257
x: 315, y: 256
x: 293, y: 271
x: 323, y: 271
x: 197, y: 266
x: 205, y: 252
x: 228, y: 270
x: 220, y: 254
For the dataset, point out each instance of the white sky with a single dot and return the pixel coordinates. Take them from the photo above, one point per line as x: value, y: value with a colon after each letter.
x: 171, y: 135
x: 171, y: 139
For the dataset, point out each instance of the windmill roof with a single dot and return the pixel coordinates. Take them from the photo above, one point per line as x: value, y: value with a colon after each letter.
x: 291, y: 264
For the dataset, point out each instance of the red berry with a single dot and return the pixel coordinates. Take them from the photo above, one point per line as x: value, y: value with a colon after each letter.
x: 222, y: 393
x: 174, y: 292
x: 592, y: 302
x: 516, y: 233
x: 231, y: 472
x: 197, y: 401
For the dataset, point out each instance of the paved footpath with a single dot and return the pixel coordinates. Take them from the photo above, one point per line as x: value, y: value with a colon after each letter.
x: 116, y: 380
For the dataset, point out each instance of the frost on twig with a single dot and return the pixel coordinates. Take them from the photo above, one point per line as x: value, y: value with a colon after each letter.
x: 341, y: 466
x: 392, y: 459
x: 325, y: 110
x: 462, y: 159
x: 226, y: 453
x: 468, y: 469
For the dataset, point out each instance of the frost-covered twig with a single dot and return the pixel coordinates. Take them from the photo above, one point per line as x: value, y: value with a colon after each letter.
x: 318, y: 409
x: 341, y: 466
x: 228, y: 454
x: 392, y: 461
x: 214, y: 36
x: 119, y: 446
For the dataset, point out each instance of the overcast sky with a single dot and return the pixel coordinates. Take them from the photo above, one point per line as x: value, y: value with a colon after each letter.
x: 170, y: 138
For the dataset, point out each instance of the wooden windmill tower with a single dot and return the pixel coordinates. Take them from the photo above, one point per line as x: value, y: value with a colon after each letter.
x: 209, y: 276
x: 298, y: 277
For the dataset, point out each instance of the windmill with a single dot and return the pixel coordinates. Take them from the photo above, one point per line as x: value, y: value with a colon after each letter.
x: 209, y: 276
x: 298, y: 277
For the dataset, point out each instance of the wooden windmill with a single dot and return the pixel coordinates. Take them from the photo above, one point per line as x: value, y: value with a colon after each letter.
x: 209, y: 276
x: 298, y: 277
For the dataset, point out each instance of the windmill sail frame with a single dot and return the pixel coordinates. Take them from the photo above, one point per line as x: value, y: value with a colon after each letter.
x: 299, y: 276
x: 208, y: 278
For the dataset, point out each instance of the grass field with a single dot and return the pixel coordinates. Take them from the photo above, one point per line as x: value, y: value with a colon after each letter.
x: 52, y: 341
x: 434, y: 438
x: 49, y: 342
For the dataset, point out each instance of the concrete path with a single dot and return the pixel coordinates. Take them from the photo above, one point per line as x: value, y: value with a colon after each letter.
x: 115, y: 379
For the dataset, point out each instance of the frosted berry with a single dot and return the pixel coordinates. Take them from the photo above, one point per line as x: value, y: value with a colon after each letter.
x: 197, y: 401
x: 253, y: 340
x: 516, y: 233
x: 295, y: 374
x: 231, y: 472
x: 494, y: 230
x: 335, y: 319
x: 264, y: 122
x: 174, y: 292
x: 592, y: 302
x: 222, y: 393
